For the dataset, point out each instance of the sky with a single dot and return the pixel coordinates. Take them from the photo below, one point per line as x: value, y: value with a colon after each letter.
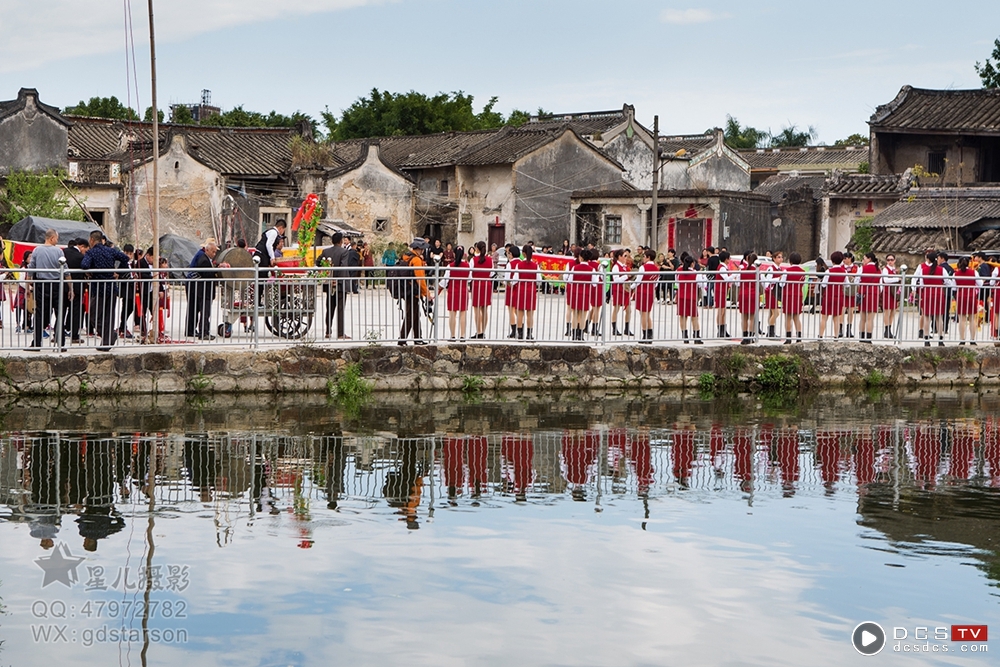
x: 769, y: 63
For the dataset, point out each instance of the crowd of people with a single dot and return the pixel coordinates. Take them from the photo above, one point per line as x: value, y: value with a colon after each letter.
x: 108, y: 292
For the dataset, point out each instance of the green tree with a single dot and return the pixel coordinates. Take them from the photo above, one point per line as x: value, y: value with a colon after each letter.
x: 38, y: 194
x: 103, y: 107
x: 791, y: 136
x: 853, y: 140
x: 740, y: 137
x: 148, y: 116
x: 988, y: 72
x: 384, y: 114
x: 181, y: 115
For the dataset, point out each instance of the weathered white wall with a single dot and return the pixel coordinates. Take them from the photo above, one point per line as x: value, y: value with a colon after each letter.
x: 487, y: 194
x: 32, y: 141
x: 190, y: 197
x: 635, y: 156
x: 844, y: 214
x: 109, y: 199
x: 369, y: 192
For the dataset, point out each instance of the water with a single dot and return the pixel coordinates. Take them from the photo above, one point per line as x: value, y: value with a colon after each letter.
x: 568, y: 529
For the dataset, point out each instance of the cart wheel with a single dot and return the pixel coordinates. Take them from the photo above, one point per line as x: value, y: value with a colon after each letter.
x: 222, y: 330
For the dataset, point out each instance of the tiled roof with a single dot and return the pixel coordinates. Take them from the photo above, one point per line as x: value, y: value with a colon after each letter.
x: 778, y: 185
x: 362, y: 155
x: 814, y: 158
x: 911, y: 241
x: 951, y: 208
x: 589, y: 122
x: 690, y: 144
x: 510, y: 144
x: 958, y: 111
x: 11, y: 107
x: 228, y: 150
x: 484, y: 147
x: 693, y: 195
x: 414, y: 152
x: 988, y: 240
x: 856, y: 185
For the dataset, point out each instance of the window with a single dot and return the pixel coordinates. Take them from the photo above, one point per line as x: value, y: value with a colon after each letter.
x: 612, y: 229
x: 381, y: 225
x: 937, y: 162
x: 443, y: 187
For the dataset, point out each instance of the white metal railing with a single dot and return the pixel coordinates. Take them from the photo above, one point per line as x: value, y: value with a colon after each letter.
x: 252, y: 308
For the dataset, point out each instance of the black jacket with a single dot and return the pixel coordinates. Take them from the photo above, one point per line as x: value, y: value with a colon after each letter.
x: 335, y: 256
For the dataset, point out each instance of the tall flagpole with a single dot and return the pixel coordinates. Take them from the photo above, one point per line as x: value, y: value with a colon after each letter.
x: 156, y: 182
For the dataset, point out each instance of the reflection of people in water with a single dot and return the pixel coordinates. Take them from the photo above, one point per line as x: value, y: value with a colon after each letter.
x: 716, y: 447
x: 199, y: 458
x: 100, y: 519
x: 263, y: 482
x: 864, y: 458
x: 457, y: 450
x: 684, y: 453
x: 518, y: 452
x: 579, y: 453
x: 743, y: 458
x: 786, y: 449
x: 991, y: 449
x: 43, y: 510
x: 828, y: 457
x: 641, y: 455
x: 926, y: 454
x: 336, y: 462
x: 403, y: 487
x: 454, y: 465
x: 963, y: 451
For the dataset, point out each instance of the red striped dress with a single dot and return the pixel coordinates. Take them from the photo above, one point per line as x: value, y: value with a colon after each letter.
x: 791, y: 300
x: 833, y: 302
x: 869, y: 288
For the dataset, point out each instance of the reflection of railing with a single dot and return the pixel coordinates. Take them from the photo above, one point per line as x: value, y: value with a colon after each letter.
x: 55, y: 473
x: 548, y: 305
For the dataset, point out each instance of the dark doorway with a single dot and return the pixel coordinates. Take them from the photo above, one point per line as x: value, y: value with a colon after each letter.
x: 432, y: 230
x: 990, y: 160
x: 497, y: 234
x: 689, y: 236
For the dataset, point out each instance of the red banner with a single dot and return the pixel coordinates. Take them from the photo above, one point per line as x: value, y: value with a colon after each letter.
x: 552, y: 266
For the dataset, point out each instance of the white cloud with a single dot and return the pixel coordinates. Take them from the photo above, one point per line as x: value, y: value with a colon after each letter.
x: 34, y: 33
x: 691, y: 16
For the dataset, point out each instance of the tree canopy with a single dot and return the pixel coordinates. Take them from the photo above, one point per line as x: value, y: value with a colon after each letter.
x: 744, y: 137
x: 791, y: 136
x: 989, y: 73
x: 38, y: 194
x: 384, y: 114
x: 855, y: 139
x: 103, y: 107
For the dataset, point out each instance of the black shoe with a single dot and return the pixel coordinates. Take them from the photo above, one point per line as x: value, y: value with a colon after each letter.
x: 420, y: 342
x: 104, y: 348
x: 626, y: 331
x: 401, y: 343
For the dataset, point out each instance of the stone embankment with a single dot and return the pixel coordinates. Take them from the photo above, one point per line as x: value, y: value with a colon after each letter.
x: 390, y: 368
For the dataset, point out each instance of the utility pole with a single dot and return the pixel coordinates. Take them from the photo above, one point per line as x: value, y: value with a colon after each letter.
x: 155, y: 217
x: 654, y: 218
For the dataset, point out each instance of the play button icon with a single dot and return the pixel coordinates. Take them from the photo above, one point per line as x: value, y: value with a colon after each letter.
x: 868, y: 638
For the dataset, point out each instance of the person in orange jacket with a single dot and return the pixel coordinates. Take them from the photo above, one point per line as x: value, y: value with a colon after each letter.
x: 415, y: 292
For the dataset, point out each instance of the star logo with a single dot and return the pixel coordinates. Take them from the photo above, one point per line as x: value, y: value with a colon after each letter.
x: 60, y: 566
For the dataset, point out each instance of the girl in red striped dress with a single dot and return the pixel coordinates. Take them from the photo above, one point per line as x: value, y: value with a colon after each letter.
x: 890, y: 294
x: 526, y: 277
x: 747, y: 300
x: 967, y: 286
x: 456, y: 285
x: 868, y: 289
x: 510, y: 292
x: 718, y: 278
x: 832, y: 302
x: 649, y: 273
x: 579, y: 291
x: 482, y: 288
x: 688, y: 282
x: 771, y: 280
x: 621, y: 292
x: 570, y: 288
x: 597, y: 293
x: 793, y: 278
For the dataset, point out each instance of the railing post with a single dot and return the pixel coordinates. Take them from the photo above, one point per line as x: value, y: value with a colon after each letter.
x: 434, y: 304
x: 257, y: 296
x: 58, y: 333
x: 900, y: 319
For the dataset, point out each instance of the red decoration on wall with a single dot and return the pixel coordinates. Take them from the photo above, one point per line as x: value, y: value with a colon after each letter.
x: 692, y: 212
x: 870, y: 208
x: 671, y: 232
x: 708, y: 232
x: 305, y: 211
